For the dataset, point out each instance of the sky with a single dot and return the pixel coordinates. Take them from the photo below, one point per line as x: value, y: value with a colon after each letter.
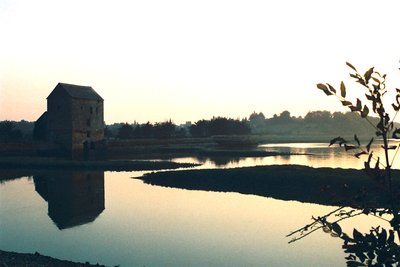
x: 190, y: 60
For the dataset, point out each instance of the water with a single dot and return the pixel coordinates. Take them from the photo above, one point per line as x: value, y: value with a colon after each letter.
x: 309, y: 154
x: 112, y: 219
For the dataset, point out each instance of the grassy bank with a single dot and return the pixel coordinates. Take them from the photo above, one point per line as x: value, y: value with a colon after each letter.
x: 325, y: 186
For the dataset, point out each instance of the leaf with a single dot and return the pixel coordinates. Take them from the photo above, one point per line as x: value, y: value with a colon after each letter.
x: 365, y: 112
x: 351, y: 66
x: 342, y: 90
x: 359, y: 105
x: 357, y: 140
x: 322, y: 86
x: 336, y: 228
x: 369, y: 144
x: 346, y: 103
x: 331, y: 88
x: 357, y: 235
x: 368, y: 162
x: 369, y: 97
x: 395, y: 132
x: 377, y: 164
x: 382, y: 237
x: 376, y: 80
x: 392, y: 147
x: 396, y: 108
x: 349, y: 147
x: 391, y: 237
x: 353, y: 108
x: 337, y: 139
x: 387, y: 119
x: 368, y: 74
x: 357, y: 155
x: 355, y: 264
x: 361, y: 81
x: 326, y: 229
x: 391, y: 125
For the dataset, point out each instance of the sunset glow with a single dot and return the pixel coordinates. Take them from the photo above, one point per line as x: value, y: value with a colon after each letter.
x: 184, y: 60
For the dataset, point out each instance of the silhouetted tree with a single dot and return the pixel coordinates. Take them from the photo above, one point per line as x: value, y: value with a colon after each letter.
x: 200, y: 129
x: 108, y: 133
x: 125, y: 131
x: 379, y: 247
x: 8, y: 133
x: 145, y: 130
x: 164, y: 129
x: 219, y: 126
x: 318, y: 116
x: 256, y: 117
x: 285, y: 116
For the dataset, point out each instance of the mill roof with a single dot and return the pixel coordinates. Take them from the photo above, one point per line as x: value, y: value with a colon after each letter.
x: 77, y: 91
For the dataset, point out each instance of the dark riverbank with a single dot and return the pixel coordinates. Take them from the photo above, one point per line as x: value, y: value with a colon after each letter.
x: 13, y: 259
x: 324, y: 186
x: 37, y: 163
x: 238, y: 146
x: 142, y: 158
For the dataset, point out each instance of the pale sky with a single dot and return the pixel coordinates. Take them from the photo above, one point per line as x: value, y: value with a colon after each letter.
x: 189, y: 60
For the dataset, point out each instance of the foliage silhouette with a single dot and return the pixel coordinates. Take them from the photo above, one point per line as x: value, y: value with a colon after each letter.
x: 379, y: 247
x: 219, y: 126
x: 315, y: 125
x: 160, y: 130
x: 125, y: 131
x: 9, y: 133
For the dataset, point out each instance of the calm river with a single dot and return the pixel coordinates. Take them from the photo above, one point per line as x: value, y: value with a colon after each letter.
x: 113, y: 219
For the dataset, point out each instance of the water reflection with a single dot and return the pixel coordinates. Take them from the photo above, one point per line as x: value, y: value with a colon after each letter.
x: 74, y: 198
x: 218, y: 161
x: 315, y: 155
x: 147, y: 225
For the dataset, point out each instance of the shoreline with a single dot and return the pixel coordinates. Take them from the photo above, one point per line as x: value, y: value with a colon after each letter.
x: 16, y: 259
x: 147, y: 161
x: 324, y: 186
x: 37, y: 163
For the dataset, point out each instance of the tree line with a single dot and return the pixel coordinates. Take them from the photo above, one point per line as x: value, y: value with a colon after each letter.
x: 314, y: 123
x: 11, y: 131
x: 159, y: 130
x: 162, y: 130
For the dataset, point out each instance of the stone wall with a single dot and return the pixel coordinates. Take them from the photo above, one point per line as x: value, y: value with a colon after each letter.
x: 59, y: 120
x: 73, y: 122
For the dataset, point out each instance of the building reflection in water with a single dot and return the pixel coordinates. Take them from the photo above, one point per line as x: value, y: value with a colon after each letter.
x: 74, y: 198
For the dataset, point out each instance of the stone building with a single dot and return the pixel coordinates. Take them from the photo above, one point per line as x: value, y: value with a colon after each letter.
x: 74, y: 121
